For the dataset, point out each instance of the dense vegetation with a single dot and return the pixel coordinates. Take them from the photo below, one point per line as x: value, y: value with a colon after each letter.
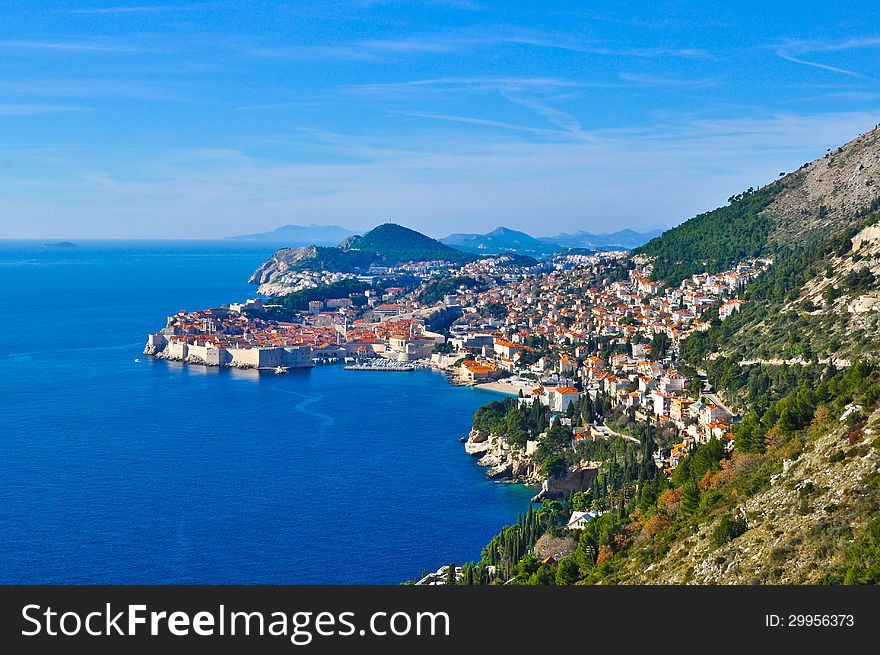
x: 713, y: 241
x: 788, y: 411
x: 299, y: 300
x: 770, y: 325
x: 385, y: 245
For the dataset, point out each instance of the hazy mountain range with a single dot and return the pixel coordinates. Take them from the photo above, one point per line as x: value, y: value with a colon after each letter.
x: 504, y: 239
x: 501, y: 239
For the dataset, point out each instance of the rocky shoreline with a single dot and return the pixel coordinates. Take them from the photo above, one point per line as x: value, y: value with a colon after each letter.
x: 510, y: 464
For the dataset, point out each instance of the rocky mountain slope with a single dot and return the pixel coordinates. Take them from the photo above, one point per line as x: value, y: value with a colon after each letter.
x: 799, y: 530
x: 819, y: 226
x: 825, y: 195
x: 386, y: 245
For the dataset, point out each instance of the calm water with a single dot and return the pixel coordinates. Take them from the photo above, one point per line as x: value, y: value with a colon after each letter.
x: 153, y: 472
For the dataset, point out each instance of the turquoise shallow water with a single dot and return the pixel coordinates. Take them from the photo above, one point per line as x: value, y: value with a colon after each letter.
x: 153, y: 472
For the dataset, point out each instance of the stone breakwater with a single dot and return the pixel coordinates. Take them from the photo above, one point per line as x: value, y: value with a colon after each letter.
x: 512, y: 464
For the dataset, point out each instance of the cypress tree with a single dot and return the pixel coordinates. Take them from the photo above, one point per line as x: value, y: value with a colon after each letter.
x: 690, y: 499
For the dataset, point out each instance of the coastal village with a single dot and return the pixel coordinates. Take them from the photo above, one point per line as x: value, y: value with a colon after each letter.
x: 529, y: 331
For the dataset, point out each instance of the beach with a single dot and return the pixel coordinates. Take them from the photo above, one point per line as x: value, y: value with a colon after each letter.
x: 501, y: 387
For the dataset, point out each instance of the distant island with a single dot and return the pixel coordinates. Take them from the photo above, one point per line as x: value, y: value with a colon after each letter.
x: 60, y: 245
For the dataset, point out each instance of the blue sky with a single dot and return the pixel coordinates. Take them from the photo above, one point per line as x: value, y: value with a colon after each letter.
x: 207, y: 119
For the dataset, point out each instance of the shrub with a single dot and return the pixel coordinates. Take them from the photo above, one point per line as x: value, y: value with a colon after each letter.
x: 729, y: 528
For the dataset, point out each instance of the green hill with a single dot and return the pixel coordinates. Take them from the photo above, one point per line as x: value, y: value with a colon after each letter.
x: 385, y: 245
x: 820, y: 298
x: 714, y: 241
x: 395, y: 244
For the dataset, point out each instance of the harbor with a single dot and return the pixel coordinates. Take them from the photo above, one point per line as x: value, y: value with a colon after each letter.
x: 382, y: 364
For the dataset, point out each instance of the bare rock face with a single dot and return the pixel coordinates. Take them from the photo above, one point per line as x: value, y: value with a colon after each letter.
x: 575, y: 479
x: 280, y: 263
x: 502, y: 461
x: 478, y: 436
x: 825, y: 194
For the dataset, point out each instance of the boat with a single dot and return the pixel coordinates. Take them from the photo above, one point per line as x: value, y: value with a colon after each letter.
x: 137, y: 361
x: 280, y: 370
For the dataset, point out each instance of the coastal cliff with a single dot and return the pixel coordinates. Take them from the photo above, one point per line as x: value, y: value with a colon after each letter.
x: 503, y: 461
x: 512, y: 464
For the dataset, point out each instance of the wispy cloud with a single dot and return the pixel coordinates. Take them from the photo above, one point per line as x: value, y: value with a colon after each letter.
x: 483, y: 122
x: 815, y: 64
x: 666, y: 172
x: 552, y: 115
x: 463, y: 41
x: 311, y: 52
x: 104, y: 180
x: 646, y: 79
x: 793, y: 50
x: 474, y: 84
x: 65, y: 46
x: 95, y: 88
x: 854, y: 96
x: 853, y: 43
x: 450, y: 4
x: 279, y: 106
x: 143, y: 9
x: 12, y: 109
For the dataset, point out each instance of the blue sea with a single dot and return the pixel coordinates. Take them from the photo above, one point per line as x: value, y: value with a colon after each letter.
x: 148, y: 472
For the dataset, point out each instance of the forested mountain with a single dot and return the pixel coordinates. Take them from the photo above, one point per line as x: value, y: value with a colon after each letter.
x: 818, y: 225
x: 394, y: 244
